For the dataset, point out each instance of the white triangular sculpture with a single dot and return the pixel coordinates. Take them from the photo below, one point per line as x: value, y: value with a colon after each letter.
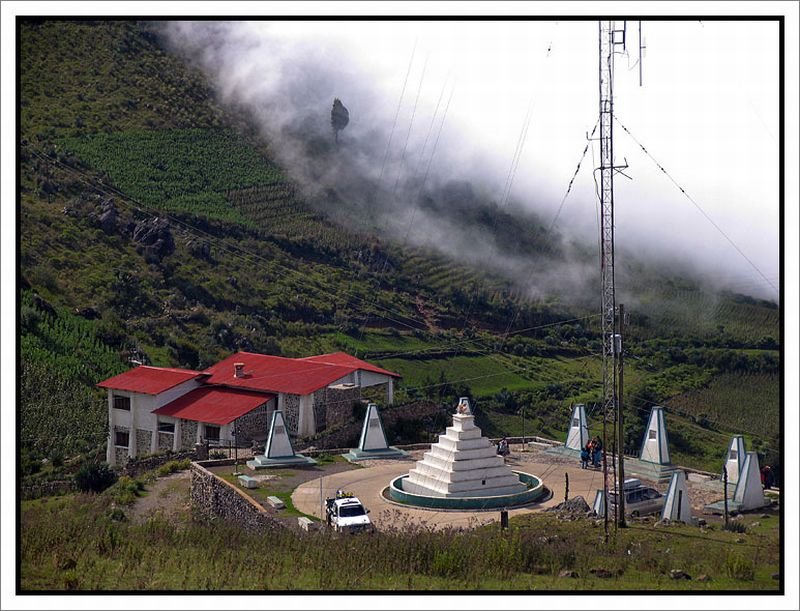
x: 655, y: 447
x: 676, y: 502
x: 278, y: 443
x: 373, y: 436
x: 734, y: 461
x: 599, y: 505
x: 578, y: 435
x: 748, y: 493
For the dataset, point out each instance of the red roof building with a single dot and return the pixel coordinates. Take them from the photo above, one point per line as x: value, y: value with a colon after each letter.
x: 150, y: 380
x: 215, y: 405
x: 158, y: 408
x: 293, y: 376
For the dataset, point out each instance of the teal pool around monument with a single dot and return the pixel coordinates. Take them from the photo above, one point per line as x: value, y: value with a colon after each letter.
x: 535, y: 491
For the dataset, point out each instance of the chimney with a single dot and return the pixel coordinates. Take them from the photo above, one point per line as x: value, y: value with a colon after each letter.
x: 238, y: 370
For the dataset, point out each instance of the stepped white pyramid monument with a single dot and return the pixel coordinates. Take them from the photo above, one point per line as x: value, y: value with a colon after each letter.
x: 279, y: 451
x: 734, y: 460
x: 655, y: 448
x: 372, y: 443
x: 676, y: 502
x: 578, y: 435
x: 749, y: 494
x: 463, y: 463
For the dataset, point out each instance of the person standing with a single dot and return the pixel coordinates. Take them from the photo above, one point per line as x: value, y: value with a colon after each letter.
x: 597, y: 451
x: 585, y: 452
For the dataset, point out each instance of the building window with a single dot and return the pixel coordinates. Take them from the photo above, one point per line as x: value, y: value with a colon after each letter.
x: 122, y: 403
x: 121, y: 439
x: 212, y: 433
x: 166, y: 427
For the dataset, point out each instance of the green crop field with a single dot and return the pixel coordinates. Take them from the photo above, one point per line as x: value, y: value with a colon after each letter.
x: 737, y: 402
x: 188, y: 170
x: 484, y: 375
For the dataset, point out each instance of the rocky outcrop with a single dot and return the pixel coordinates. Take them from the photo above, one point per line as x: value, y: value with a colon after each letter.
x: 153, y: 238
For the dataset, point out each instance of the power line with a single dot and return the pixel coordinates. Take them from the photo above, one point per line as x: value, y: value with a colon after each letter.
x: 410, y: 126
x: 574, y: 176
x: 397, y: 112
x: 696, y: 205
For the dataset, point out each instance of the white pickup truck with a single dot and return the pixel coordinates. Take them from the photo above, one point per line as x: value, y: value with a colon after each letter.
x: 345, y: 514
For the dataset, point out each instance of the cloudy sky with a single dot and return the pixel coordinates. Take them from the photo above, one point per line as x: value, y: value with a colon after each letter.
x: 707, y: 112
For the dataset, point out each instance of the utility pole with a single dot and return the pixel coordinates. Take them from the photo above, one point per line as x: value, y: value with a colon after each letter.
x: 620, y: 428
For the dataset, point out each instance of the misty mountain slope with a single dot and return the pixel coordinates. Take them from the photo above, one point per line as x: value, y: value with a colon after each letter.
x: 176, y: 236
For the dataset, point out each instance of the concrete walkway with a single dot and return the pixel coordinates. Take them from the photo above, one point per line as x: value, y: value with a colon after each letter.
x: 368, y: 483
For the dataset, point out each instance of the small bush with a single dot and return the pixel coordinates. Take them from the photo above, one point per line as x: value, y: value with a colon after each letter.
x: 738, y: 568
x: 127, y: 490
x: 94, y: 477
x: 173, y: 466
x: 217, y: 455
x: 735, y: 527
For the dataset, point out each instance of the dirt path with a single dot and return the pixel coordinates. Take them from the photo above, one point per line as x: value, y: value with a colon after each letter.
x: 166, y: 497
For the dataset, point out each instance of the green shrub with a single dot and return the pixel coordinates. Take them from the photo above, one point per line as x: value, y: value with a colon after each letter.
x: 94, y: 477
x: 735, y: 527
x: 737, y: 567
x: 127, y: 490
x: 173, y: 466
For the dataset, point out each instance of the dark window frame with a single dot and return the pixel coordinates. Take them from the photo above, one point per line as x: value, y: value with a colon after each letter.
x: 117, y: 435
x: 170, y: 427
x: 218, y: 430
x: 120, y: 399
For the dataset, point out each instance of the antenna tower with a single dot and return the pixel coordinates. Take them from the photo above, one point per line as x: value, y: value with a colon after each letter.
x: 611, y: 38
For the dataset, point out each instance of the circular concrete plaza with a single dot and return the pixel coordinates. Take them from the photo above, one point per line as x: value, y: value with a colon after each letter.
x: 368, y: 483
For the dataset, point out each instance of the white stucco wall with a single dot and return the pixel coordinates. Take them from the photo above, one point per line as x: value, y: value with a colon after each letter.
x: 141, y: 416
x: 370, y: 378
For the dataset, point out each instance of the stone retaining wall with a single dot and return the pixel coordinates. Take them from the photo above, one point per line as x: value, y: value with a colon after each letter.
x: 214, y: 499
x: 136, y: 466
x: 47, y: 489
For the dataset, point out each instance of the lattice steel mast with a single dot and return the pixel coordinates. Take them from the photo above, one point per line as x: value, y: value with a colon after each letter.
x: 610, y: 38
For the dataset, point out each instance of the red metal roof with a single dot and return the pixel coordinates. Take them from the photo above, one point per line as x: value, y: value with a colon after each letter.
x: 344, y: 359
x: 213, y: 404
x: 278, y: 374
x: 149, y: 380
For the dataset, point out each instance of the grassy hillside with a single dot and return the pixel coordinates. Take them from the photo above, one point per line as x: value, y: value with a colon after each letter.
x: 155, y: 227
x: 179, y: 554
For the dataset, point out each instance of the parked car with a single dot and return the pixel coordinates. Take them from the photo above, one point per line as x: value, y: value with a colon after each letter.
x: 345, y: 514
x: 640, y: 500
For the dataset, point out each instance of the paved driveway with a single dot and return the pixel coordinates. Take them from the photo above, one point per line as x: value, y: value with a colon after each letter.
x: 367, y: 484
